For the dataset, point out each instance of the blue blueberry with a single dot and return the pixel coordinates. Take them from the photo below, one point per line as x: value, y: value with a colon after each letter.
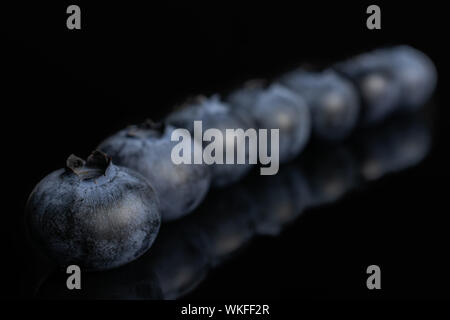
x: 93, y: 214
x: 333, y: 101
x: 416, y: 74
x: 215, y: 114
x: 276, y: 107
x: 147, y: 149
x: 377, y: 84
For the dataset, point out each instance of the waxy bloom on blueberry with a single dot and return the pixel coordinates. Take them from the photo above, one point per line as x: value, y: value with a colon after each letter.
x: 416, y: 74
x: 377, y: 84
x: 147, y: 149
x: 93, y: 214
x: 391, y: 80
x: 215, y: 114
x: 276, y: 107
x: 333, y: 101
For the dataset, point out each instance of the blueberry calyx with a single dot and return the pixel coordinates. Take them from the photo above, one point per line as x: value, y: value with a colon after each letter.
x: 95, y: 166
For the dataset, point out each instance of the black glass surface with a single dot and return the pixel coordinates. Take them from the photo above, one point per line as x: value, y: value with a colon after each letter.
x: 310, y: 232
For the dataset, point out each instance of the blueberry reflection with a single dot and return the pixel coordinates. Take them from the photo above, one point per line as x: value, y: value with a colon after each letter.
x: 186, y: 250
x: 226, y: 220
x: 402, y: 143
x: 330, y: 172
x: 180, y: 258
x: 135, y: 281
x: 279, y: 199
x: 410, y: 142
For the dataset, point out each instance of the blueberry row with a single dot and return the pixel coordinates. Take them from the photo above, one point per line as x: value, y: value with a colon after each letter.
x: 227, y: 221
x: 101, y: 214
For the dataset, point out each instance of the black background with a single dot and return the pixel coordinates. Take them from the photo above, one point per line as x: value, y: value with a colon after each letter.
x: 64, y: 91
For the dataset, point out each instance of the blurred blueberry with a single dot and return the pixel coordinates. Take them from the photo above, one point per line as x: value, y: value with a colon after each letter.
x: 333, y: 101
x: 215, y: 114
x: 147, y: 148
x: 416, y: 74
x: 391, y: 79
x: 276, y: 107
x: 377, y: 84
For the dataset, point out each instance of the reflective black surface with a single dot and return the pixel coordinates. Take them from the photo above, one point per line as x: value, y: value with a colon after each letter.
x: 257, y: 209
x: 307, y: 233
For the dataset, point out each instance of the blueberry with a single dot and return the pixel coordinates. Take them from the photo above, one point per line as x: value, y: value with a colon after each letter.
x: 333, y: 101
x: 416, y: 74
x: 214, y: 114
x: 276, y: 107
x: 147, y: 148
x: 377, y: 84
x: 93, y: 214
